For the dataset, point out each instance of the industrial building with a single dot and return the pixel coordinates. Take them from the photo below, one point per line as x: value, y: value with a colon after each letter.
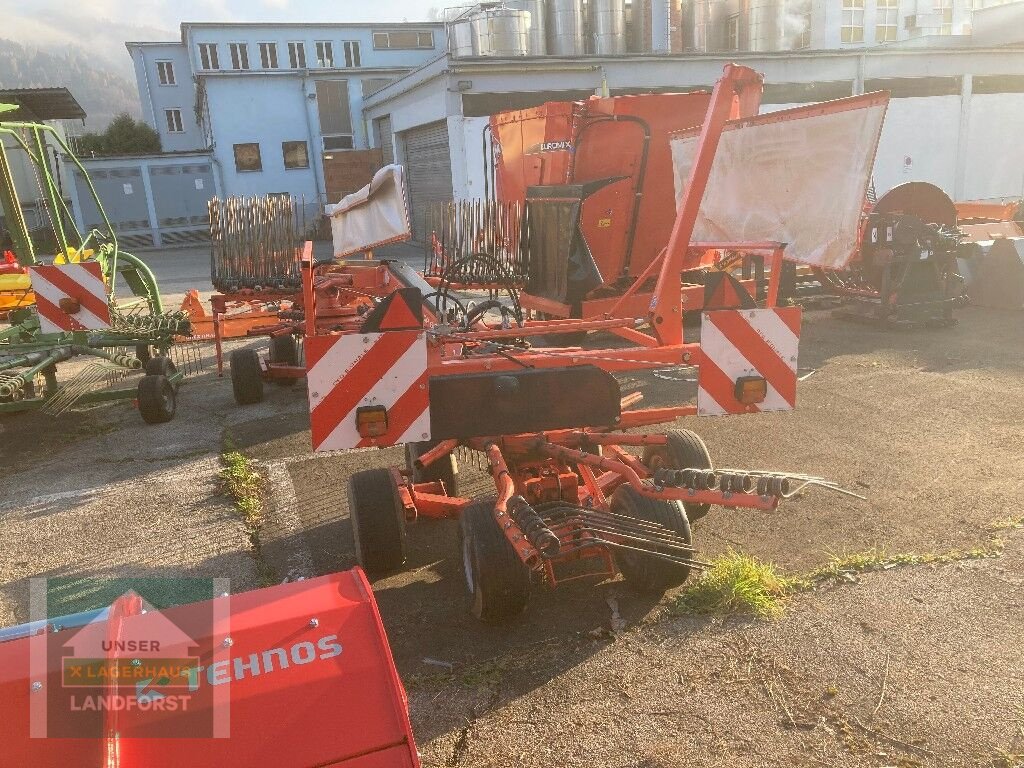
x: 310, y: 110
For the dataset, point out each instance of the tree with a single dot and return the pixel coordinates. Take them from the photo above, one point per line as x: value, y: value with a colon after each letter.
x: 124, y: 136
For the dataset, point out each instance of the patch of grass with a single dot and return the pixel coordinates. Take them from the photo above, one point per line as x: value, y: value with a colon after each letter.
x: 1006, y: 524
x: 738, y: 583
x: 878, y: 559
x: 1004, y: 758
x: 245, y: 485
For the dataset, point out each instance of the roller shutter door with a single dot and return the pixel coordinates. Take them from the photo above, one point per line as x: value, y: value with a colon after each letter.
x: 385, y: 140
x: 428, y: 166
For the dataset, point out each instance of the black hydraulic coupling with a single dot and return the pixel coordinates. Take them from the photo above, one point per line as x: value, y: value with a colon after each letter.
x: 533, y: 527
x: 773, y: 485
x: 694, y: 479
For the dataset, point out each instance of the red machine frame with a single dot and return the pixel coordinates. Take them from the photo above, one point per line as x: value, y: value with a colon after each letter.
x: 561, y: 465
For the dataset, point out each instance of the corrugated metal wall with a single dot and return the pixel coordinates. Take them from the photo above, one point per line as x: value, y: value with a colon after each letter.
x: 428, y: 166
x: 149, y: 203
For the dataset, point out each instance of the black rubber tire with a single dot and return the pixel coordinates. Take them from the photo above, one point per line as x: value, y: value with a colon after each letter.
x: 446, y: 470
x: 684, y: 450
x: 496, y: 582
x: 644, y: 573
x: 157, y: 399
x: 144, y: 352
x: 160, y: 366
x: 246, y: 376
x: 378, y: 520
x: 284, y: 350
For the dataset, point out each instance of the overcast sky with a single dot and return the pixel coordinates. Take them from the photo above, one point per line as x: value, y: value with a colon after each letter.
x: 101, y: 27
x: 29, y: 20
x: 93, y: 24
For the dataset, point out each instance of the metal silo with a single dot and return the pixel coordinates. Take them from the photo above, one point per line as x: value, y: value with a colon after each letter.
x: 765, y: 25
x: 460, y: 38
x: 565, y: 28
x: 608, y: 26
x: 538, y: 26
x: 501, y: 32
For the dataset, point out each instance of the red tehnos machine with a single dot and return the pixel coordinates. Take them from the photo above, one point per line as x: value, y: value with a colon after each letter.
x: 612, y: 157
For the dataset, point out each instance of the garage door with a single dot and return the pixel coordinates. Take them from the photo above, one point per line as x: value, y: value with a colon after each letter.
x: 428, y: 166
x: 385, y: 140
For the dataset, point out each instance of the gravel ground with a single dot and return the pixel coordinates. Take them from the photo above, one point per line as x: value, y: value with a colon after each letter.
x: 909, y: 666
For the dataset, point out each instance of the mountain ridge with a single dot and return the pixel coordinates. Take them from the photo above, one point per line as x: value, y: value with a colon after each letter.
x: 102, y: 93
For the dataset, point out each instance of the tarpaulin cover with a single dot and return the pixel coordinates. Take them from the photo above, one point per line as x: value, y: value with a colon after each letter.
x: 373, y: 216
x: 797, y: 176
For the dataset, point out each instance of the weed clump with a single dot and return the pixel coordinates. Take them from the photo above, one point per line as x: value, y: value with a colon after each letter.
x: 738, y: 583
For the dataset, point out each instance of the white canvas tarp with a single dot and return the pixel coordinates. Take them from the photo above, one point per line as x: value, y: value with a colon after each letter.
x: 797, y: 176
x: 373, y: 216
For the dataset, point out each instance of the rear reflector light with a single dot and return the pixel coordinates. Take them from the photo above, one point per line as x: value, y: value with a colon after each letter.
x: 372, y: 420
x: 751, y: 389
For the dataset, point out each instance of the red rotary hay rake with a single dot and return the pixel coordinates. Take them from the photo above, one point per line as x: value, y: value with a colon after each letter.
x: 551, y: 423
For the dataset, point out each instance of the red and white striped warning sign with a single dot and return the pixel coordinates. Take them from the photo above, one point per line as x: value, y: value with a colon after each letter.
x: 345, y: 373
x: 70, y: 297
x: 741, y: 343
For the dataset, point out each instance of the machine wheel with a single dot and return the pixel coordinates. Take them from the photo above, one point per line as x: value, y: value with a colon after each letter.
x: 643, y: 572
x: 144, y: 352
x: 497, y: 583
x: 378, y: 520
x: 157, y: 399
x: 160, y: 366
x: 684, y: 450
x: 246, y: 376
x: 284, y: 350
x: 446, y: 470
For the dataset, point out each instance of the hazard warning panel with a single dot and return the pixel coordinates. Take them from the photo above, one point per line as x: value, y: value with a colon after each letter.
x: 367, y: 377
x: 740, y: 347
x: 70, y: 297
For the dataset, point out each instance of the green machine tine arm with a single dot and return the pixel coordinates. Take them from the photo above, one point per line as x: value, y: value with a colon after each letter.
x: 11, y: 129
x: 11, y: 207
x: 52, y: 193
x: 142, y: 280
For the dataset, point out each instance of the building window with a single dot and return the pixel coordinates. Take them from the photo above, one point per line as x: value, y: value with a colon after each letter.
x: 239, y: 55
x: 887, y: 21
x: 174, y: 121
x: 945, y: 7
x: 208, y: 57
x: 351, y: 53
x: 324, y: 53
x: 165, y: 72
x: 403, y: 39
x: 296, y: 154
x: 371, y: 85
x: 268, y: 55
x: 337, y: 142
x: 297, y: 55
x: 247, y: 157
x: 732, y: 33
x: 335, y: 115
x: 852, y: 29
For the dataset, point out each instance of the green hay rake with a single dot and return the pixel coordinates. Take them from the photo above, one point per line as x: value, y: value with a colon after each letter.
x: 65, y: 315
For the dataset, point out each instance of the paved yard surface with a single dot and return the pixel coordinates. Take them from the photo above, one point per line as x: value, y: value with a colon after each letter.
x: 908, y: 666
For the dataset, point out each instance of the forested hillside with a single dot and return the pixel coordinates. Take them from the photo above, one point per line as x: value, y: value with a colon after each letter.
x: 103, y: 94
